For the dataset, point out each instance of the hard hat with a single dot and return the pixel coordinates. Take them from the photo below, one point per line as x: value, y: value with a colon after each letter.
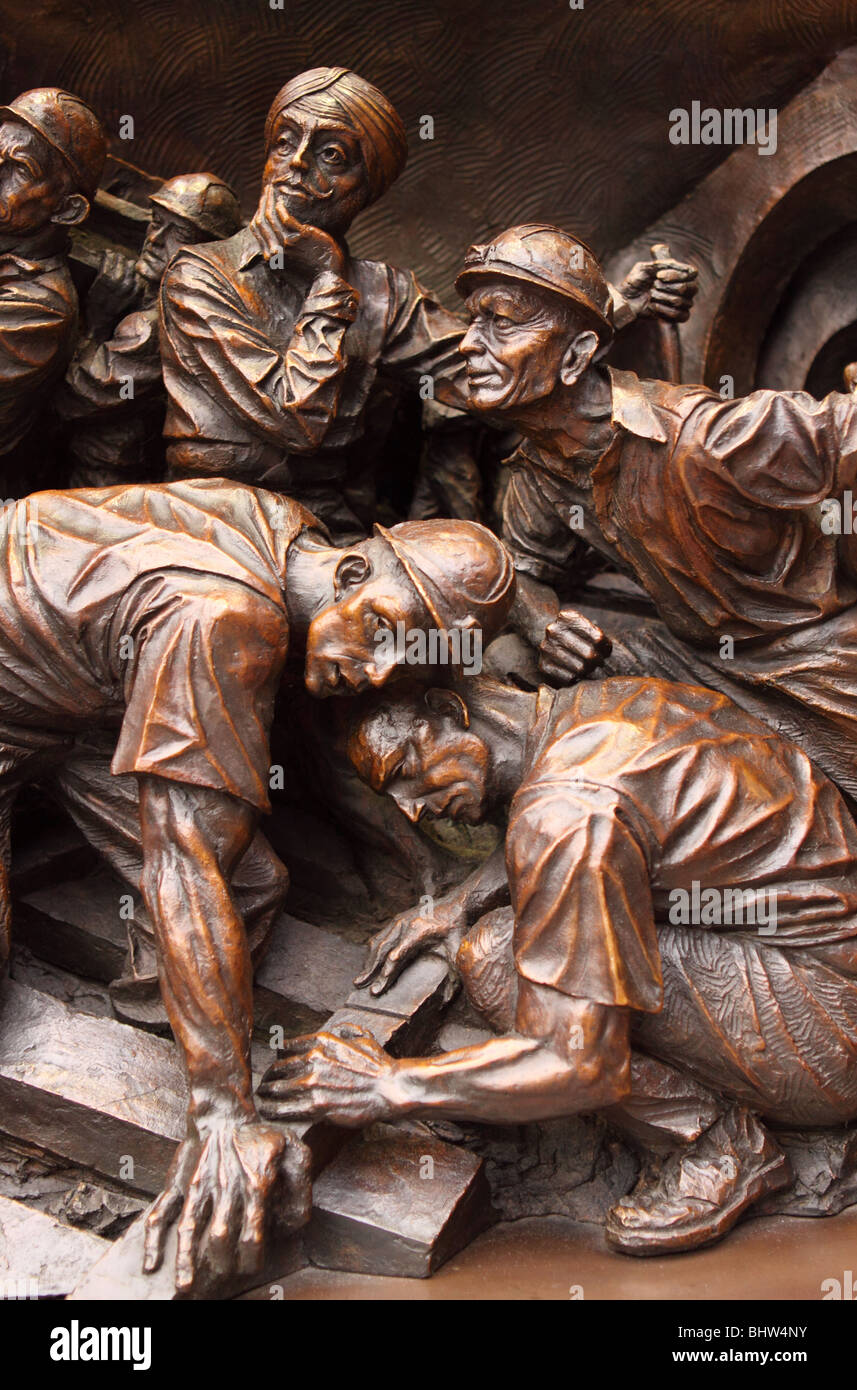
x: 461, y: 571
x: 546, y: 257
x: 69, y: 126
x: 204, y: 200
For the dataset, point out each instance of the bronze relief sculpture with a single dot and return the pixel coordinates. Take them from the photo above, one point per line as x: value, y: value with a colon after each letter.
x: 629, y: 800
x: 53, y: 149
x: 274, y: 342
x: 113, y: 393
x: 597, y: 648
x: 167, y: 613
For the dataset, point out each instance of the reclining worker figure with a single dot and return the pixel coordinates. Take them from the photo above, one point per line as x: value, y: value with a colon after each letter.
x: 717, y: 508
x: 630, y: 801
x: 165, y: 613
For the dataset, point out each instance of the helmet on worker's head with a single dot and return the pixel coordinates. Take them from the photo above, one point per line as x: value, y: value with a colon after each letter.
x: 69, y: 126
x: 463, y: 574
x: 546, y: 258
x: 204, y: 200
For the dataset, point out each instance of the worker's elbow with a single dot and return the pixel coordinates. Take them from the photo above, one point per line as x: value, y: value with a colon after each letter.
x: 600, y: 1079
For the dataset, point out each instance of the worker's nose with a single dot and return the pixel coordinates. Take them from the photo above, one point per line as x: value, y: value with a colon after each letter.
x: 471, y: 343
x: 299, y: 158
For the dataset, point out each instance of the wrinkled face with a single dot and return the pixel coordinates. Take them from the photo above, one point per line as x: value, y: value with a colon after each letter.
x: 514, y: 346
x: 167, y: 234
x: 33, y: 181
x: 427, y: 764
x: 316, y: 164
x: 344, y: 653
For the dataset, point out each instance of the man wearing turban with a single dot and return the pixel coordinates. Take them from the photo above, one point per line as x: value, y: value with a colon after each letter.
x: 276, y: 342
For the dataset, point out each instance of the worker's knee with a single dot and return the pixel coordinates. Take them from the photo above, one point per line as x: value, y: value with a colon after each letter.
x: 260, y: 882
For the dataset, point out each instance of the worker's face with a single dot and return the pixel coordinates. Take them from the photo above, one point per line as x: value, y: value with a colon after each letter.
x: 316, y: 166
x: 345, y: 647
x: 514, y: 347
x: 33, y: 181
x: 166, y: 235
x: 431, y: 766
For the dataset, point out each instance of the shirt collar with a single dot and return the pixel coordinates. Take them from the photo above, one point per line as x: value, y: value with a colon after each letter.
x: 31, y: 253
x: 633, y: 408
x: 249, y: 247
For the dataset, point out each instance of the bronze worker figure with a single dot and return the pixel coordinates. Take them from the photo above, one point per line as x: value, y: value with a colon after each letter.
x: 113, y: 395
x: 166, y: 614
x: 276, y: 341
x: 714, y: 506
x: 52, y: 151
x: 631, y: 802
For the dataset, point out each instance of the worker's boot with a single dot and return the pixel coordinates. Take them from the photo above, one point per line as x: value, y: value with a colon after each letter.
x: 696, y: 1194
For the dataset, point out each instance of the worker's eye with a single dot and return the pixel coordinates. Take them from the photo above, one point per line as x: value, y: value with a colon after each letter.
x: 376, y: 622
x: 333, y: 156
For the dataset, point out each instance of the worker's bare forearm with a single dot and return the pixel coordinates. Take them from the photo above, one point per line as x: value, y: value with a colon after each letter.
x: 192, y: 840
x: 582, y: 1063
x: 535, y: 606
x: 486, y: 888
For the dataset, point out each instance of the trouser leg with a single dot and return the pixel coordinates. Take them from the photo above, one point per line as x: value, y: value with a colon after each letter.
x: 664, y: 1104
x: 771, y: 1027
x: 19, y: 764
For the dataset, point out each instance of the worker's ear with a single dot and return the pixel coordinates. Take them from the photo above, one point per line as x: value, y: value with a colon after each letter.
x: 73, y: 209
x: 353, y: 569
x: 447, y: 703
x: 578, y: 356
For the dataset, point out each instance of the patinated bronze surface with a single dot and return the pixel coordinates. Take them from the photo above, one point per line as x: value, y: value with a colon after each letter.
x: 599, y: 952
x: 573, y: 851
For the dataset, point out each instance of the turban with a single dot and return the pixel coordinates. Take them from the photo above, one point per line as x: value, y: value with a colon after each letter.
x: 340, y: 93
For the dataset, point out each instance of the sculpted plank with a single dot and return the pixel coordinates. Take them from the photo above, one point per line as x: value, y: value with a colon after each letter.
x: 93, y: 1090
x: 396, y: 1203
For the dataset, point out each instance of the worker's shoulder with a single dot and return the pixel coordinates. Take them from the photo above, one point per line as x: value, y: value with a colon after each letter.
x: 217, y: 260
x: 649, y: 703
x: 242, y: 506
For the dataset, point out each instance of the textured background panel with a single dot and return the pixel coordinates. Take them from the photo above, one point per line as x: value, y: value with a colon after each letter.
x: 540, y: 111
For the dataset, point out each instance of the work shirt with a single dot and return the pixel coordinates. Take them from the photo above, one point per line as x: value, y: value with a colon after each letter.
x: 635, y: 788
x: 113, y: 395
x: 714, y: 507
x: 160, y: 609
x: 38, y: 325
x: 267, y: 380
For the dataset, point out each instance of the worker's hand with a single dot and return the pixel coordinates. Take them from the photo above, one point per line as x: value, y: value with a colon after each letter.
x: 303, y: 247
x: 114, y: 292
x: 220, y: 1187
x: 346, y: 1078
x: 572, y: 647
x: 662, y: 288
x: 408, y: 935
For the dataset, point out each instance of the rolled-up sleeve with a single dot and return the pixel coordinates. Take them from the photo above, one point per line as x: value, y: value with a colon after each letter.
x: 580, y: 884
